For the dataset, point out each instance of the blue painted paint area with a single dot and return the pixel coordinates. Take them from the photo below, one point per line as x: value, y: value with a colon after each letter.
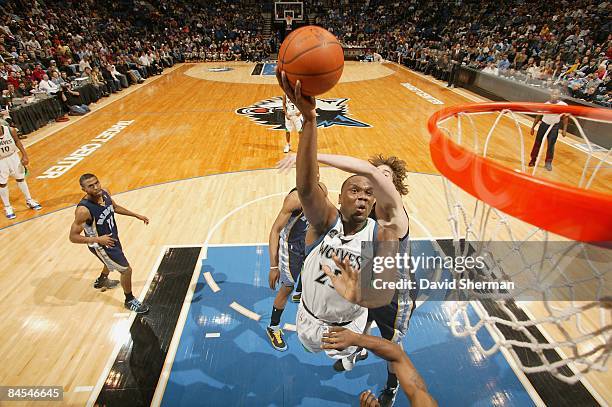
x: 240, y: 368
x: 269, y: 68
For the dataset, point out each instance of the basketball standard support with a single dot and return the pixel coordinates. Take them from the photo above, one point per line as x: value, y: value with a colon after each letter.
x: 293, y: 8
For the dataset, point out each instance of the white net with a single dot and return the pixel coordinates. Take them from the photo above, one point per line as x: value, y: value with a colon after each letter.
x: 558, y: 316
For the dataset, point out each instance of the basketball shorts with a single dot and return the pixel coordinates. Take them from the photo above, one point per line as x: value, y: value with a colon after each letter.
x: 310, y: 331
x: 293, y: 123
x: 393, y: 319
x: 12, y: 166
x: 112, y: 257
x: 290, y: 266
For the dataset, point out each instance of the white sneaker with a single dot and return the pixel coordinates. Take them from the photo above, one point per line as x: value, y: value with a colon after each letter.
x: 32, y: 204
x: 8, y: 211
x: 346, y: 364
x: 287, y: 148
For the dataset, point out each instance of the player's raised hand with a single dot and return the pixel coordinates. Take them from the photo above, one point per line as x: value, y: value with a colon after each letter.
x: 305, y: 104
x: 287, y: 163
x: 339, y: 338
x: 346, y: 282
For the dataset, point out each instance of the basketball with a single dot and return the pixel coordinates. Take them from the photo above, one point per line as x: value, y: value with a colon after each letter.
x: 314, y: 56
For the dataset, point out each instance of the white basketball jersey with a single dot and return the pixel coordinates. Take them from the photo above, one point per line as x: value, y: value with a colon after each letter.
x: 318, y: 294
x: 7, y: 143
x: 292, y: 111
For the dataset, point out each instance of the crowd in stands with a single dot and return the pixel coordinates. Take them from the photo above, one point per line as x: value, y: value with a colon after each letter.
x: 215, y: 30
x: 46, y: 49
x: 564, y: 43
x: 49, y: 47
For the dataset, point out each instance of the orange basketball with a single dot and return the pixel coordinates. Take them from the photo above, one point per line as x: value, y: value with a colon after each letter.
x: 314, y: 56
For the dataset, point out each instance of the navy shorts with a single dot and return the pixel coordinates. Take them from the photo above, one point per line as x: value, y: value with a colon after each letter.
x: 290, y: 272
x: 393, y: 319
x: 112, y: 257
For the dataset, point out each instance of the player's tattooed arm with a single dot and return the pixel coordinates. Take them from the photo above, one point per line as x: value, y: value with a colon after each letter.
x: 409, y: 378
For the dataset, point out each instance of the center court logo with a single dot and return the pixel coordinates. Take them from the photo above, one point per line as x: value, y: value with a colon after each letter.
x: 330, y: 112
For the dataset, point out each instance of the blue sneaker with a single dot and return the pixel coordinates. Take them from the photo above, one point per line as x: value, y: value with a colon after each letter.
x: 136, y: 306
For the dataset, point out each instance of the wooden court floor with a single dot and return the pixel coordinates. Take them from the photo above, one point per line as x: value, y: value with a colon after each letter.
x: 187, y: 160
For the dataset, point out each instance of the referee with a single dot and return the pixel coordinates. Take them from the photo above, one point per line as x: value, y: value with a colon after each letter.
x: 549, y: 121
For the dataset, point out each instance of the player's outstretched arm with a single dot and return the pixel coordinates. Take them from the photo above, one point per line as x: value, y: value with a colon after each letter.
x: 388, y: 200
x: 317, y: 208
x: 290, y: 204
x: 124, y: 211
x: 389, y: 205
x: 413, y: 384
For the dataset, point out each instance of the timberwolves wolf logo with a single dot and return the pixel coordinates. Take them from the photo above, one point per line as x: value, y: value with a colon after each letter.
x: 330, y: 112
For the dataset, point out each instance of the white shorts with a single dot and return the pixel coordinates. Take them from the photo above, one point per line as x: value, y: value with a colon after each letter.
x: 310, y: 331
x: 11, y: 165
x: 293, y: 123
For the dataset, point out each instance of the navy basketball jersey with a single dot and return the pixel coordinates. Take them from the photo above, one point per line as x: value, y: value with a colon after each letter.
x: 102, y: 220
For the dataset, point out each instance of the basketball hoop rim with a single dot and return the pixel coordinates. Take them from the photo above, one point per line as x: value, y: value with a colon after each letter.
x: 572, y: 212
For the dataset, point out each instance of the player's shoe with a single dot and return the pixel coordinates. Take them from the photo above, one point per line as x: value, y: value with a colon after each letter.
x: 346, y: 364
x: 548, y: 166
x: 287, y: 148
x: 8, y: 211
x: 32, y: 204
x: 386, y: 398
x: 531, y: 163
x: 136, y: 306
x: 277, y: 339
x: 105, y: 283
x: 296, y: 297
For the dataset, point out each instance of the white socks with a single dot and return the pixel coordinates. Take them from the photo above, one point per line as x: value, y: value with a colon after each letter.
x: 24, y: 188
x: 4, y: 195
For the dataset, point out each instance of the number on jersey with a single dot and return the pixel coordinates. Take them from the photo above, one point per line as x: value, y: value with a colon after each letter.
x: 323, y: 279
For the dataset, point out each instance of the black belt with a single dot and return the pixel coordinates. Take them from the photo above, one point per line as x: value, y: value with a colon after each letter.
x: 328, y: 323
